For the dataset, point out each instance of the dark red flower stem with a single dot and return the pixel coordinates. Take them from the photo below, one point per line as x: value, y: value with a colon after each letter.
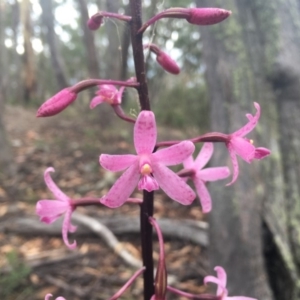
x: 147, y: 205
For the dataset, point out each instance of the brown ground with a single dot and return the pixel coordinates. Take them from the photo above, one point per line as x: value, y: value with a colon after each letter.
x: 72, y: 144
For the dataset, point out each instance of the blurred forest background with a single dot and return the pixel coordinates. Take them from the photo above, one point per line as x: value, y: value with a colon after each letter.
x: 254, y: 228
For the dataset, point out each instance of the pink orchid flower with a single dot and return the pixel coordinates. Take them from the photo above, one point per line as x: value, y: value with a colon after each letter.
x: 110, y: 94
x: 238, y: 145
x: 47, y: 297
x: 151, y: 167
x: 200, y: 176
x: 50, y: 210
x: 221, y: 281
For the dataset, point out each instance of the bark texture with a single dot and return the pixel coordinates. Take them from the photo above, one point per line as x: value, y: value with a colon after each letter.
x: 253, y: 56
x: 56, y: 59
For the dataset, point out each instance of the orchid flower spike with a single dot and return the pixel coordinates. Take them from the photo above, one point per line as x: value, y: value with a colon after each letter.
x: 238, y: 145
x: 200, y: 176
x: 150, y: 167
x: 47, y: 297
x: 221, y: 281
x: 50, y: 210
x: 165, y: 60
x: 57, y: 103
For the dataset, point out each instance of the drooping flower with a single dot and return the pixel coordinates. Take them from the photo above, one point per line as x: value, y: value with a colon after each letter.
x: 47, y: 297
x: 150, y: 167
x: 200, y: 176
x: 221, y: 281
x: 238, y: 145
x: 109, y: 93
x: 57, y: 103
x: 50, y: 210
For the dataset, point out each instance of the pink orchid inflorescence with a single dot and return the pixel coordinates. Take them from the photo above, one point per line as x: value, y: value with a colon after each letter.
x: 150, y: 167
x: 200, y: 176
x: 221, y: 281
x: 50, y: 210
x: 237, y: 144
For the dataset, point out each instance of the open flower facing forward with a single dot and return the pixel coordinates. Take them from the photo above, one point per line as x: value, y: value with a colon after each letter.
x: 50, y: 210
x: 148, y: 170
x: 221, y: 281
x: 237, y: 144
x: 200, y: 176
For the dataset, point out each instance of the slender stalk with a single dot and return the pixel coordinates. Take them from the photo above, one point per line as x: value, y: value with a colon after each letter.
x: 147, y: 205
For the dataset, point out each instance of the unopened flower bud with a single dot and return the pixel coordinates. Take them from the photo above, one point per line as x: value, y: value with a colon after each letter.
x: 207, y: 16
x: 167, y: 63
x: 94, y: 23
x: 57, y: 103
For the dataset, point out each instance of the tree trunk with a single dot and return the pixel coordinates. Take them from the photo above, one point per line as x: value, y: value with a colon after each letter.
x: 88, y: 40
x: 254, y: 56
x: 29, y: 76
x: 56, y: 59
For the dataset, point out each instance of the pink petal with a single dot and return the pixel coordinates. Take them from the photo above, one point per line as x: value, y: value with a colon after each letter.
x: 122, y: 188
x: 145, y: 132
x: 173, y: 185
x: 59, y: 195
x: 213, y: 174
x: 117, y: 163
x: 188, y: 163
x: 175, y: 154
x: 211, y: 279
x: 234, y: 164
x: 203, y: 194
x: 222, y: 277
x: 51, y: 210
x: 148, y: 183
x: 243, y: 148
x: 96, y: 101
x: 65, y: 229
x: 251, y: 124
x: 204, y: 155
x: 261, y: 153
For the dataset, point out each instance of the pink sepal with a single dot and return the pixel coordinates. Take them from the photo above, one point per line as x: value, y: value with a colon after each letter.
x: 167, y: 63
x: 203, y: 194
x: 204, y: 155
x: 213, y: 174
x: 207, y: 16
x: 96, y: 101
x: 253, y: 120
x: 122, y: 188
x: 57, y: 103
x: 50, y: 210
x: 173, y: 185
x: 145, y: 132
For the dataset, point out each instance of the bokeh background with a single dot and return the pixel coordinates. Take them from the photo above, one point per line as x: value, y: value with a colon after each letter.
x: 254, y: 228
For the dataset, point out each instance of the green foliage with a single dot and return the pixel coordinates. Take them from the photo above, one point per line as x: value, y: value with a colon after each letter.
x: 12, y: 284
x: 183, y: 106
